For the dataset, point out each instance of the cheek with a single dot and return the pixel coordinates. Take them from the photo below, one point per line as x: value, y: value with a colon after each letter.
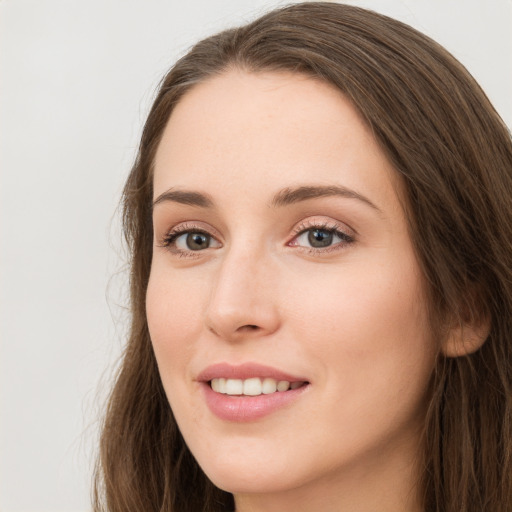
x: 173, y: 320
x: 368, y: 331
x: 367, y: 337
x: 367, y: 298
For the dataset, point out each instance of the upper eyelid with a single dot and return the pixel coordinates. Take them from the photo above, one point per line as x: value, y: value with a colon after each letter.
x: 328, y: 224
x: 314, y: 225
x: 188, y: 226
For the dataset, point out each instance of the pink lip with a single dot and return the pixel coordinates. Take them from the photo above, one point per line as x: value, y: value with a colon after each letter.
x: 247, y: 408
x: 245, y: 371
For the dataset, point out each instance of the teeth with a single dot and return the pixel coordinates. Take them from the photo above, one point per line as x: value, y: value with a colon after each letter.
x: 252, y: 387
x: 234, y: 387
x: 218, y: 384
x: 283, y: 385
x: 269, y: 386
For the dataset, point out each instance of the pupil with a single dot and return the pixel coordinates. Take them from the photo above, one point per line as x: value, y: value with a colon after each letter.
x: 320, y: 238
x: 197, y: 241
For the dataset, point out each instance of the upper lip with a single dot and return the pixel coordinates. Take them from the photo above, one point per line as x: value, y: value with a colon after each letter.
x: 245, y: 371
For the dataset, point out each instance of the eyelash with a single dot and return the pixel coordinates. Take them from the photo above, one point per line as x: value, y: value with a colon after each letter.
x: 334, y: 229
x: 169, y: 240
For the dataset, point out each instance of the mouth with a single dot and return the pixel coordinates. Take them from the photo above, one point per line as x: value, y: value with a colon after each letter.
x: 253, y: 386
x: 250, y: 391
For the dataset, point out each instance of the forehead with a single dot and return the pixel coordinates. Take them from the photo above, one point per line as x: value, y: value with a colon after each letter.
x: 242, y: 129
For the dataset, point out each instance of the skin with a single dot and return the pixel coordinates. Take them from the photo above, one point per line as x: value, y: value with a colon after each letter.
x: 350, y: 317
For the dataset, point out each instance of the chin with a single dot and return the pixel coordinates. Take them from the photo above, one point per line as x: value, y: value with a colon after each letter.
x: 250, y: 481
x: 245, y: 474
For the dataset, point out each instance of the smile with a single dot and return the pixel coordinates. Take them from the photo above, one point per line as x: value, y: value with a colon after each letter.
x: 253, y: 387
x: 249, y: 392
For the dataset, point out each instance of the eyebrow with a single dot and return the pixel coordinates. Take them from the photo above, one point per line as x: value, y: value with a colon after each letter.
x: 284, y: 197
x: 185, y: 197
x: 289, y: 196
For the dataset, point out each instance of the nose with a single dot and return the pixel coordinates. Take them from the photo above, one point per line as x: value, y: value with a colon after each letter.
x: 243, y: 301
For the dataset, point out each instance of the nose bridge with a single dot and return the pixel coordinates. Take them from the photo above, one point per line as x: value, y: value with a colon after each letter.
x: 241, y: 299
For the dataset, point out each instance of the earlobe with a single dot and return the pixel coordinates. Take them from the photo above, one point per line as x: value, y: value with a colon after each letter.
x: 465, y: 339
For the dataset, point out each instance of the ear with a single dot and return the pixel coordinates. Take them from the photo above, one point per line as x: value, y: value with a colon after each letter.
x: 466, y: 337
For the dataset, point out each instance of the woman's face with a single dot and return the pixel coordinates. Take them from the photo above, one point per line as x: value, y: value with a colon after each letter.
x: 282, y: 255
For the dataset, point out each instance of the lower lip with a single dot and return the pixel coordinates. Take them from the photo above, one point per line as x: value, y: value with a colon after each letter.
x: 248, y: 408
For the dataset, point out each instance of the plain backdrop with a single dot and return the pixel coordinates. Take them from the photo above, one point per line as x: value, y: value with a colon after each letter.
x: 77, y: 79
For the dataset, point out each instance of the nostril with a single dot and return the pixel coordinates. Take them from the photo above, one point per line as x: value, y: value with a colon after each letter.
x: 248, y: 327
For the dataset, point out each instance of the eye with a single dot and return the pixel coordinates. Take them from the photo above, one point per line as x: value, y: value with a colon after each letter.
x: 317, y: 238
x: 193, y: 241
x: 185, y: 241
x: 324, y: 237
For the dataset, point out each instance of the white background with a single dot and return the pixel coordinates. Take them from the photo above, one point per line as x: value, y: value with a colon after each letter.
x: 77, y: 78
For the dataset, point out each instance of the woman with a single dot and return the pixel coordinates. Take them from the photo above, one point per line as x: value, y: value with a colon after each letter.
x: 320, y: 224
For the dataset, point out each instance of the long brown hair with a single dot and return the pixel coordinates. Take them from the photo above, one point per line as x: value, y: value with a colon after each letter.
x: 454, y: 156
